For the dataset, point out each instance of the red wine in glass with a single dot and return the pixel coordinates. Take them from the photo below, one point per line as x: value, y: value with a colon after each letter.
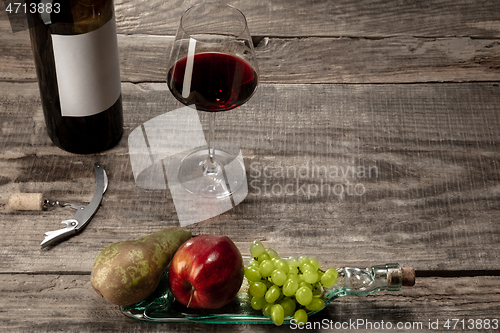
x: 212, y: 67
x: 218, y: 81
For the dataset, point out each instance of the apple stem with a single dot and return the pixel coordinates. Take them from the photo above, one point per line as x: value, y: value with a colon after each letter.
x: 191, y: 297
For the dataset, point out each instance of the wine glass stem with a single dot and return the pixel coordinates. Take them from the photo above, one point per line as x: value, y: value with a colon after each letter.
x: 211, y: 165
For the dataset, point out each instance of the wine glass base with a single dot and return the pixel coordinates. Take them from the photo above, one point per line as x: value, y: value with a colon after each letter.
x: 217, y: 183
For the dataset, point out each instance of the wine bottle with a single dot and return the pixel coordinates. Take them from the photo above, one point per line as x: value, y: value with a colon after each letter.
x: 75, y: 49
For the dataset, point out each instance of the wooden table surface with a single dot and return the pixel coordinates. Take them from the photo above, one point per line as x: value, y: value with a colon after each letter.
x: 406, y: 89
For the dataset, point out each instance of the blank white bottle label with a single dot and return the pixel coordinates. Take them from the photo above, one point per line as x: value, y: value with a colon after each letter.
x: 87, y: 70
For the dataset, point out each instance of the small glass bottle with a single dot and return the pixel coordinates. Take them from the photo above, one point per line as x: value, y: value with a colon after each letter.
x: 364, y: 281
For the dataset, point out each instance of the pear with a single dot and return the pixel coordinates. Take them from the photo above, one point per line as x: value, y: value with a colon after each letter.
x: 125, y: 273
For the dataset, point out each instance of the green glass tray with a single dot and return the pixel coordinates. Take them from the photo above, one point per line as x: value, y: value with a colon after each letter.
x: 161, y: 307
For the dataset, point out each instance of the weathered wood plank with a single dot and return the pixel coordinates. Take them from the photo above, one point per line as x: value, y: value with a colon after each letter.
x: 424, y: 156
x: 50, y: 303
x: 431, y: 201
x: 303, y: 60
x: 364, y: 18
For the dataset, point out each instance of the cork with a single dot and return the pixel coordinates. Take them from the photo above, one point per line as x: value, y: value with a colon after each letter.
x: 26, y: 201
x: 408, y: 275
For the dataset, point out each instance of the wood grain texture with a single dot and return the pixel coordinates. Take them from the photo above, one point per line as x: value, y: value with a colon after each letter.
x: 365, y: 18
x: 305, y: 60
x: 398, y: 100
x: 305, y: 18
x: 50, y: 303
x: 313, y: 42
x: 431, y: 200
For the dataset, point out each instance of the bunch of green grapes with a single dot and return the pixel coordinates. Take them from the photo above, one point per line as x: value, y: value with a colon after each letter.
x: 286, y: 287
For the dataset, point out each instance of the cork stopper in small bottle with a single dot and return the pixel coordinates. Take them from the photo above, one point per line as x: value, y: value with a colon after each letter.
x: 408, y: 275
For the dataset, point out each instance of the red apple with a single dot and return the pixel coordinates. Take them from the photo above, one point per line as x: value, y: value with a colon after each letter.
x: 206, y: 272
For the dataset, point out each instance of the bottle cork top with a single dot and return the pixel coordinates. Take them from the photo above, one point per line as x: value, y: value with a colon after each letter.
x: 408, y: 275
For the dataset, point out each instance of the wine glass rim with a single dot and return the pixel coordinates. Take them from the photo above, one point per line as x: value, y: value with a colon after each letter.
x: 217, y: 4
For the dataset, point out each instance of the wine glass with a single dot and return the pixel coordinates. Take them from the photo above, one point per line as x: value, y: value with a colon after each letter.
x: 212, y: 67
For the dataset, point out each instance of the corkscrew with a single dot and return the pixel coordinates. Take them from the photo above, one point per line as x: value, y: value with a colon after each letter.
x: 83, y: 215
x: 47, y: 203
